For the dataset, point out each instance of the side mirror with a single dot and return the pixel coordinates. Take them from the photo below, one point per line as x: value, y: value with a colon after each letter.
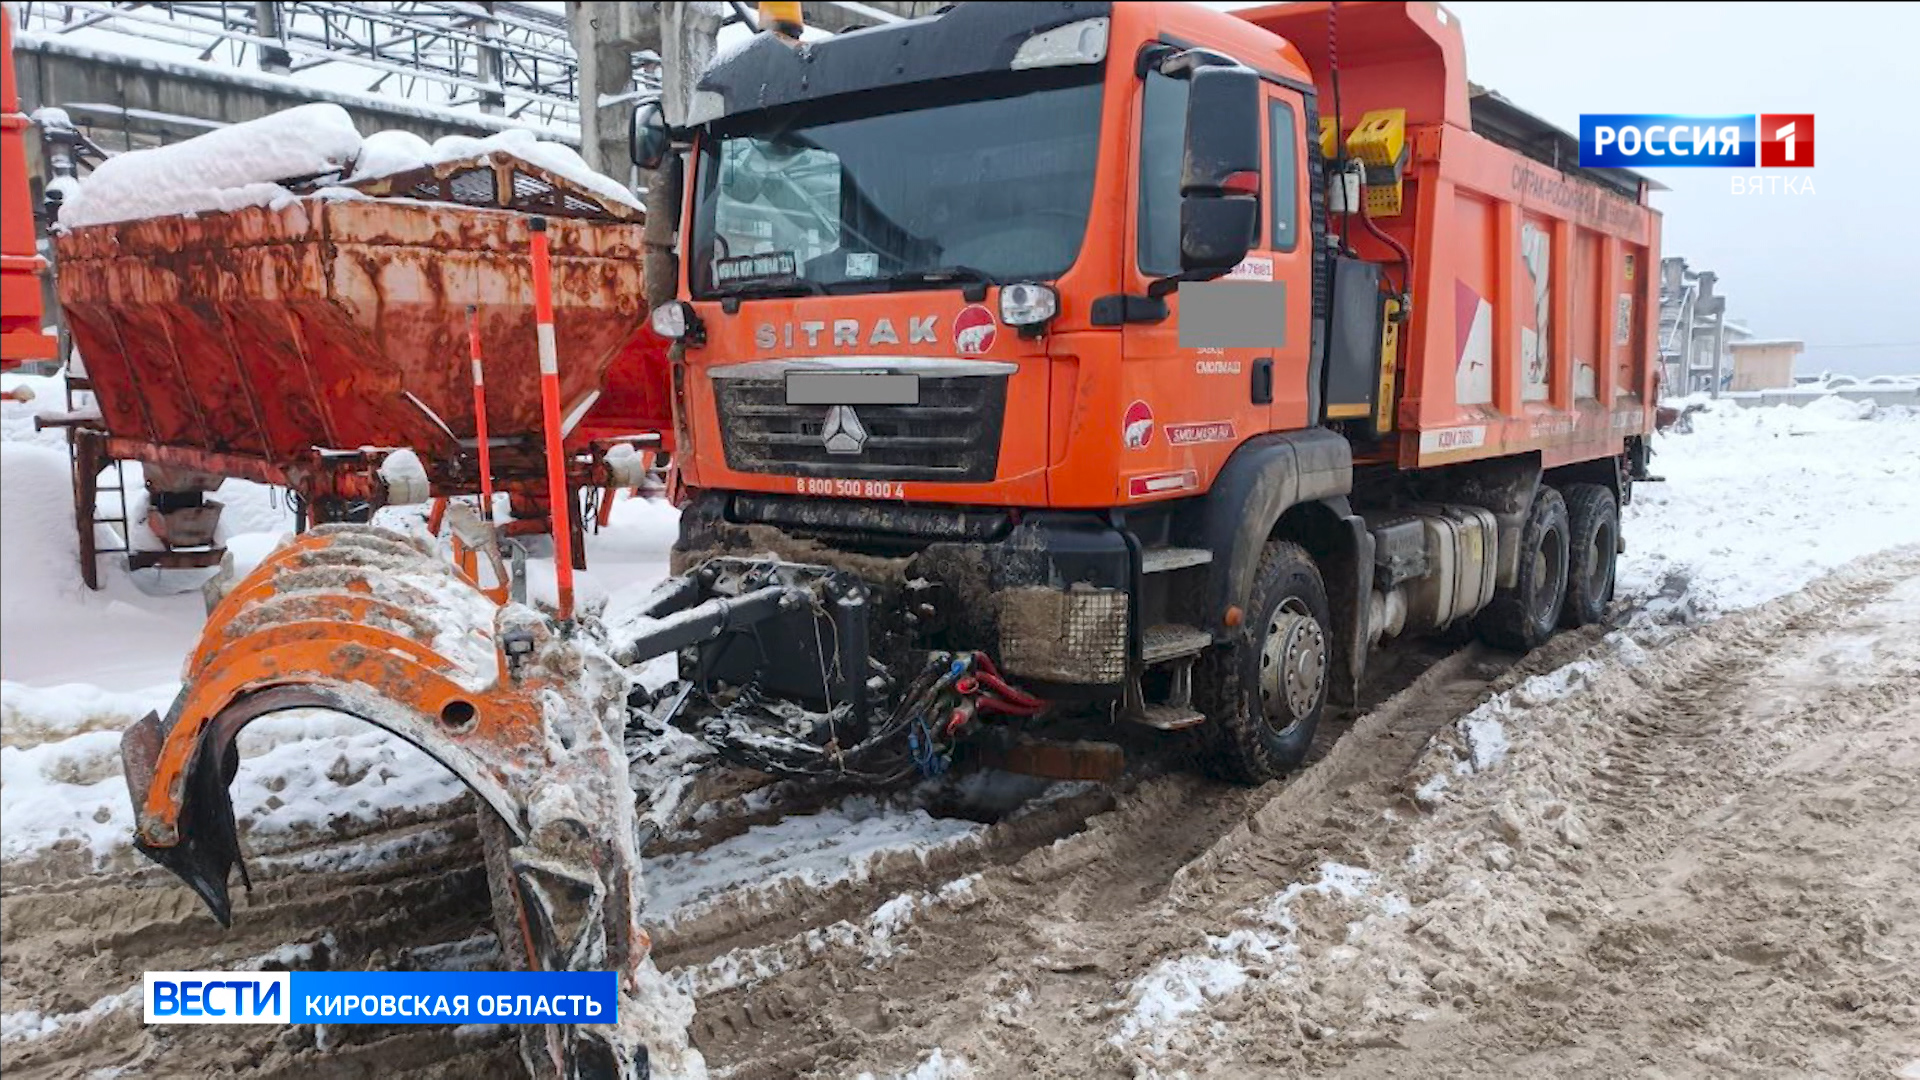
x: 648, y: 139
x: 1219, y: 170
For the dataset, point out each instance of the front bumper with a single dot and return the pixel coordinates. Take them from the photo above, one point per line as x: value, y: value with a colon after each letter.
x: 1046, y: 593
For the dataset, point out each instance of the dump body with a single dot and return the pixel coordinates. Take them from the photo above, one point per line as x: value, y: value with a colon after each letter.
x: 1534, y: 287
x: 258, y: 342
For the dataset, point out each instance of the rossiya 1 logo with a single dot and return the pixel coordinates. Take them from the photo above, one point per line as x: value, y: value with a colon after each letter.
x: 1669, y: 141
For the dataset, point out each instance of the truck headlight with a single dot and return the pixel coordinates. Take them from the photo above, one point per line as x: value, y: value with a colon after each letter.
x: 1025, y: 303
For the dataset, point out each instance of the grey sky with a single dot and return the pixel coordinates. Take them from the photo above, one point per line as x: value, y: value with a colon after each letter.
x: 1837, y: 268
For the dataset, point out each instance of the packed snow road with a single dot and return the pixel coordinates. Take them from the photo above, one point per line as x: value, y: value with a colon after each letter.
x: 1697, y: 858
x: 1681, y: 847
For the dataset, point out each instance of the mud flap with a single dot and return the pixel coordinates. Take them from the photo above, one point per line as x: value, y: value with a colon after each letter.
x: 1348, y: 574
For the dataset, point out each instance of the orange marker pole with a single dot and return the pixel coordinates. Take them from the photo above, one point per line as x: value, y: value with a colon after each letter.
x: 559, y: 520
x: 480, y: 415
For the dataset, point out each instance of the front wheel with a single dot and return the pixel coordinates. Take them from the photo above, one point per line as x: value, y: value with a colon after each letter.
x: 1263, y: 691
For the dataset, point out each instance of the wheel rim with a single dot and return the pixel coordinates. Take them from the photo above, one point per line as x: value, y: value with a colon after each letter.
x: 1293, y: 665
x: 1549, y: 575
x: 1599, y: 564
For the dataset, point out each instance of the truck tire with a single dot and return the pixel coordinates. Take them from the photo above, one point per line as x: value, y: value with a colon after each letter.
x: 1264, y: 690
x: 1525, y: 616
x: 1593, y: 539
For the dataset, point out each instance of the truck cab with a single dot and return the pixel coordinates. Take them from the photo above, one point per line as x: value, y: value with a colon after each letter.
x: 984, y: 200
x: 1046, y: 323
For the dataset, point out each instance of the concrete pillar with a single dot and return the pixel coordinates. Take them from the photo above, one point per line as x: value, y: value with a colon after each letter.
x: 1711, y: 303
x: 605, y: 35
x: 267, y: 24
x: 687, y: 36
x: 493, y: 68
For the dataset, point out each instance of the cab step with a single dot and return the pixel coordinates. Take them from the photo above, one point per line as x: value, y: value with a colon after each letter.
x: 1168, y: 717
x: 1168, y: 641
x: 1163, y: 560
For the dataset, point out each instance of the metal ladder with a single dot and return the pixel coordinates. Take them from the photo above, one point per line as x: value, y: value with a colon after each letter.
x: 86, y: 453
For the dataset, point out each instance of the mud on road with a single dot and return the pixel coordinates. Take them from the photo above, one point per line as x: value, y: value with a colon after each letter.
x: 1603, y: 858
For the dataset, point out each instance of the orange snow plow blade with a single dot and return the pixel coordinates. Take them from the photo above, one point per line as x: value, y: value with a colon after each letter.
x: 362, y: 621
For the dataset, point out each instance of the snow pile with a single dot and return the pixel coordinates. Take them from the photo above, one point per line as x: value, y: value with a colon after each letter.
x: 384, y: 153
x: 250, y: 164
x: 30, y: 715
x: 225, y: 169
x: 1759, y: 502
x: 29, y: 1024
x: 70, y: 795
x: 1480, y: 740
x: 388, y: 152
x: 46, y: 396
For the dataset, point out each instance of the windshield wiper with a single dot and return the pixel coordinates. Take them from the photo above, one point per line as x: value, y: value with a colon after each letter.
x: 940, y: 275
x: 772, y: 286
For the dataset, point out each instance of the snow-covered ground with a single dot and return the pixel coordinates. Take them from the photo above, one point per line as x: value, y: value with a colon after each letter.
x: 77, y: 667
x: 1756, y: 503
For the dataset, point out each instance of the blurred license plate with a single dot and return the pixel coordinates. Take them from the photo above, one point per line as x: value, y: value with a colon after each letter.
x: 852, y: 388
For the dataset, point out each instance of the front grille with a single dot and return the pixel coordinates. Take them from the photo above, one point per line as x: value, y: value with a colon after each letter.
x: 952, y: 435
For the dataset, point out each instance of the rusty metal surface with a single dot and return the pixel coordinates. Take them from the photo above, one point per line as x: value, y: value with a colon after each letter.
x: 501, y: 181
x: 242, y: 342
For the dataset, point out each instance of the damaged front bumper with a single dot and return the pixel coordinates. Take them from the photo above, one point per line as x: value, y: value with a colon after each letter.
x: 1049, y: 594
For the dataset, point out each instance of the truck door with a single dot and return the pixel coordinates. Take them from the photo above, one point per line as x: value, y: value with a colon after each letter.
x: 1287, y: 217
x: 1187, y: 408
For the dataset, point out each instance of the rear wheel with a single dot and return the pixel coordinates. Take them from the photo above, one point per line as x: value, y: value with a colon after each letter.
x: 1593, y: 523
x: 1523, y: 617
x: 1263, y: 692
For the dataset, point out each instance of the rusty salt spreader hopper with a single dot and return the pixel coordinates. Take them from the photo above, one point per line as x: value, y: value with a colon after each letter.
x: 302, y: 344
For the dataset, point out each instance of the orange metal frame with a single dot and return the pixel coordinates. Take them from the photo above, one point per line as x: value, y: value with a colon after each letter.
x: 305, y: 618
x: 21, y: 336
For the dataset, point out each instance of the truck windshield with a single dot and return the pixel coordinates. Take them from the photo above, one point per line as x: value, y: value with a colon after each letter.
x: 938, y: 186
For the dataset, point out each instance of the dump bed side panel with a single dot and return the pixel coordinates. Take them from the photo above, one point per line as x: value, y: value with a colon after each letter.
x: 1533, y: 301
x: 1533, y: 289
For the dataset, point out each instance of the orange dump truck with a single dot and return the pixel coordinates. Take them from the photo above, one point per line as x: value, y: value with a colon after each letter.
x: 1044, y: 375
x: 1179, y: 356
